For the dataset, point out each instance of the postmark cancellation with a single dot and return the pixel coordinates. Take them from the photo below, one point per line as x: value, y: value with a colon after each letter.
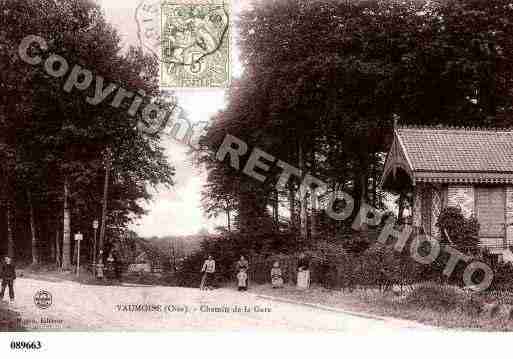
x: 194, y: 44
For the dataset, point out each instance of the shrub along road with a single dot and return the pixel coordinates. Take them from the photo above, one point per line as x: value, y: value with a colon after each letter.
x: 86, y: 307
x: 435, y: 305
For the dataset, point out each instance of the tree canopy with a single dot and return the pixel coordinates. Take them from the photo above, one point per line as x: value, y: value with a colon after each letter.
x: 58, y: 147
x: 324, y: 82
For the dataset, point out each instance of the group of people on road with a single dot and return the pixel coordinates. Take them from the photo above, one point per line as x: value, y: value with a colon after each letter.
x: 242, y: 269
x: 209, y: 269
x: 8, y: 273
x: 114, y: 266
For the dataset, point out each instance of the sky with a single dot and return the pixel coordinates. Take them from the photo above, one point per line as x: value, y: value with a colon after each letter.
x: 175, y: 211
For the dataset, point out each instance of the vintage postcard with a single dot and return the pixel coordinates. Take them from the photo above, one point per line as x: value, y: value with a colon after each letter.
x: 292, y: 165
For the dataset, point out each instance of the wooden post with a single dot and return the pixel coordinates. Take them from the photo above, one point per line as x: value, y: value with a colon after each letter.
x: 95, y: 227
x: 78, y: 239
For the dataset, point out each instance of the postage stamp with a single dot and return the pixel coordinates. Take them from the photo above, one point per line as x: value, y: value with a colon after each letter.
x: 192, y: 40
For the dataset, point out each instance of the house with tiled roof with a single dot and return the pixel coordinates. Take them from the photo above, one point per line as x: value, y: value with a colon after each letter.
x: 467, y: 167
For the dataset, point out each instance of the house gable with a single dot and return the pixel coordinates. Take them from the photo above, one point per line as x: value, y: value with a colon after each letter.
x: 397, y: 166
x: 468, y: 168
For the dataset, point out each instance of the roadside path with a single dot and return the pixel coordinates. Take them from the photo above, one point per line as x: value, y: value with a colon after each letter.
x: 96, y: 308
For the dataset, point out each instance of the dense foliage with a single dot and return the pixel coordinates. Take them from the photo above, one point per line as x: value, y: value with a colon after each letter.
x: 55, y: 147
x: 324, y: 82
x: 460, y: 232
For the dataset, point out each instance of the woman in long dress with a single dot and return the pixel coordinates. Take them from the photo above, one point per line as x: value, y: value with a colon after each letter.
x: 303, y: 272
x: 276, y: 276
x: 208, y: 270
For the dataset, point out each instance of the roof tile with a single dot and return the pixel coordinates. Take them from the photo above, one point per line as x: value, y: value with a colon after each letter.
x: 458, y: 150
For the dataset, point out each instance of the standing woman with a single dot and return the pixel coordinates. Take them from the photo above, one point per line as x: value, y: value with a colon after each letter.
x: 276, y: 276
x: 242, y: 264
x: 303, y: 272
x: 208, y: 270
x: 118, y: 266
x: 111, y: 265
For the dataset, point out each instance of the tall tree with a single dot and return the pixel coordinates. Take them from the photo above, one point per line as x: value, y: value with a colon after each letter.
x: 57, y: 138
x: 328, y: 107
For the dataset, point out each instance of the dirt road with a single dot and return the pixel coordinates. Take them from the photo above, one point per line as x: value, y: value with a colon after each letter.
x: 131, y: 308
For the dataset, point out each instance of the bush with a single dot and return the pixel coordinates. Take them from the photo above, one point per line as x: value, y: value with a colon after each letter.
x: 226, y: 251
x: 442, y: 298
x: 188, y: 274
x: 502, y: 276
x: 9, y: 320
x: 332, y: 266
x: 383, y: 266
x: 463, y: 232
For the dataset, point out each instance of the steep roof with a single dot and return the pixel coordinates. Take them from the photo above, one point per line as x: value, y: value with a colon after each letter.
x: 452, y: 155
x: 452, y: 149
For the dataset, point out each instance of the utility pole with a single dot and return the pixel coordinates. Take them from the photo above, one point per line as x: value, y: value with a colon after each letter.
x: 96, y: 224
x: 108, y: 160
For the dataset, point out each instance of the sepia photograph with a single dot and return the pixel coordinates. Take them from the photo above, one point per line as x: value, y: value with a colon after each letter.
x: 298, y: 166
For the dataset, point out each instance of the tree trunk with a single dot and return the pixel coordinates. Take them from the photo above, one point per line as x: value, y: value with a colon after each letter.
x: 303, y: 220
x: 374, y: 186
x: 361, y: 181
x: 66, y: 231
x: 58, y: 254
x: 314, y: 215
x: 276, y: 215
x: 104, y: 206
x: 364, y: 186
x: 33, y: 235
x: 51, y: 242
x: 292, y: 207
x: 228, y: 219
x: 10, y: 229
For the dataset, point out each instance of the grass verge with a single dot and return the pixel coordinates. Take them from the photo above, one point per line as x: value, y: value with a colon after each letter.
x: 445, y: 307
x: 9, y: 320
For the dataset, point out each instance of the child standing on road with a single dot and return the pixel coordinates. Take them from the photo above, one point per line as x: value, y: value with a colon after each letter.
x: 242, y: 278
x: 8, y: 276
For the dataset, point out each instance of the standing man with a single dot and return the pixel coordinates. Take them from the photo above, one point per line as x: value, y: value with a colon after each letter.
x: 208, y: 270
x: 8, y: 276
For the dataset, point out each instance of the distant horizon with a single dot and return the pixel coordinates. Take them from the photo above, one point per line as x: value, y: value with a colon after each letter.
x: 174, y: 211
x: 177, y: 235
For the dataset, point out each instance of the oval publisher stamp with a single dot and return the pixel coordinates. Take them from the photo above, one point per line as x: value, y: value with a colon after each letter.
x: 43, y: 299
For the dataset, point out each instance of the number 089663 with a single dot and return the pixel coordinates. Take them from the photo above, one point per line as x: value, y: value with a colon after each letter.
x: 19, y: 345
